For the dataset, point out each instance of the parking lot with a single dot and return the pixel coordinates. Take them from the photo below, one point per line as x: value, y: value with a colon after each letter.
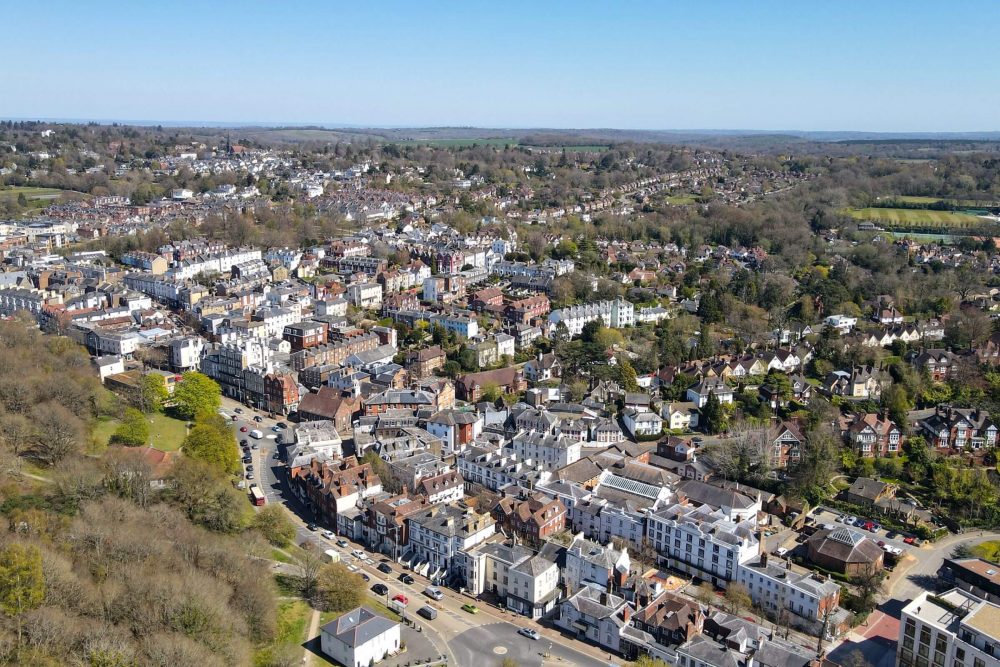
x: 891, y: 541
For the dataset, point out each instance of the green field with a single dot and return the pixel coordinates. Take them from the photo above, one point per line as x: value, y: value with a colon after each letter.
x: 988, y: 551
x: 681, y: 200
x: 293, y: 622
x: 459, y: 143
x: 166, y: 433
x: 905, y: 217
x: 915, y: 199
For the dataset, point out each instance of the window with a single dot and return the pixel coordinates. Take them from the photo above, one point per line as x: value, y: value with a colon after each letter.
x: 911, y: 628
x: 942, y: 644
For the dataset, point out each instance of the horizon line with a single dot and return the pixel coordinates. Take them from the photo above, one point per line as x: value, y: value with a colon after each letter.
x: 274, y: 125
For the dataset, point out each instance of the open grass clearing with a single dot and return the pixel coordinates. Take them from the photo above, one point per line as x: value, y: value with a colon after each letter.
x: 919, y: 199
x: 988, y: 551
x: 165, y: 433
x: 293, y: 623
x: 898, y: 217
x: 33, y: 193
x: 681, y: 200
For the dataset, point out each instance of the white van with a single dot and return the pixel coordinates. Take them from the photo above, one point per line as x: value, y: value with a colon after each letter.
x: 256, y: 434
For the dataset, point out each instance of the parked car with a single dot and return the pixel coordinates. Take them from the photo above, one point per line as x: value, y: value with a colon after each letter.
x: 529, y: 633
x: 258, y: 418
x: 406, y: 579
x: 471, y: 608
x: 281, y: 425
x: 401, y: 599
x: 249, y: 467
x: 428, y: 612
x: 910, y: 539
x: 780, y: 551
x: 243, y: 429
x: 384, y: 567
x: 328, y: 534
x: 380, y: 589
x: 434, y: 593
x: 238, y: 411
x: 313, y: 527
x: 234, y: 417
x: 358, y: 553
x: 249, y: 475
x: 365, y: 577
x: 342, y: 543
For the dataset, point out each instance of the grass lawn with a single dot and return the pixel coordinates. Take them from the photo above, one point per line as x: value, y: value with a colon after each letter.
x: 293, y: 622
x: 459, y: 143
x: 988, y: 550
x: 681, y: 200
x: 166, y: 433
x: 914, y: 199
x: 900, y: 217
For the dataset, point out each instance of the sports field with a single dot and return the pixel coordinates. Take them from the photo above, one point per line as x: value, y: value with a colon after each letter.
x: 47, y: 194
x: 907, y: 217
x: 916, y: 199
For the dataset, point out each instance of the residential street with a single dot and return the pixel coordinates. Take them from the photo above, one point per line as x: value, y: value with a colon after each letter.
x: 455, y: 633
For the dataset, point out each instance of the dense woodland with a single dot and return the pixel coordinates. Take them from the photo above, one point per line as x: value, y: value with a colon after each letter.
x: 97, y: 567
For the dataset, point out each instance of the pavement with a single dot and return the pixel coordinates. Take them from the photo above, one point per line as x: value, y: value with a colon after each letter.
x: 457, y: 634
x: 874, y: 640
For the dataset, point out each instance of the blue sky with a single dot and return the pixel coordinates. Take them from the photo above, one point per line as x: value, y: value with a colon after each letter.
x: 875, y: 66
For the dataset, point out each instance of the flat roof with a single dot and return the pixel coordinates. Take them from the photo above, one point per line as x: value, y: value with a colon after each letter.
x: 985, y: 619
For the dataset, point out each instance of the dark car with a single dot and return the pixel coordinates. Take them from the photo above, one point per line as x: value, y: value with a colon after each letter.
x: 258, y: 418
x: 244, y: 443
x: 238, y: 411
x: 384, y: 567
x: 281, y: 425
x: 365, y: 577
x: 380, y: 589
x: 313, y: 527
x: 405, y: 578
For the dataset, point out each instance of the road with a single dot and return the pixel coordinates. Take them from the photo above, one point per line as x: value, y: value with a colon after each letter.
x: 923, y: 575
x: 461, y: 636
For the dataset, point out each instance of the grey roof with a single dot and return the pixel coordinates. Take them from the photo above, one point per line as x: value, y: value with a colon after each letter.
x: 358, y: 626
x: 534, y: 566
x: 714, y: 496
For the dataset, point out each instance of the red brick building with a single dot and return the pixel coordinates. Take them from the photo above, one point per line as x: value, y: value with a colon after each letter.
x: 281, y: 393
x: 533, y: 519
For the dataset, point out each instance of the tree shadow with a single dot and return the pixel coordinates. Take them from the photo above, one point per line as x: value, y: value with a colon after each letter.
x: 930, y: 582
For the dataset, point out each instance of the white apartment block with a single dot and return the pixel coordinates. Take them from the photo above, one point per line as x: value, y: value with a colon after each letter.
x: 467, y: 327
x: 528, y: 583
x: 364, y: 295
x: 546, y: 451
x: 614, y: 314
x: 185, y: 353
x: 701, y: 542
x: 439, y: 533
x: 956, y: 629
x: 775, y: 586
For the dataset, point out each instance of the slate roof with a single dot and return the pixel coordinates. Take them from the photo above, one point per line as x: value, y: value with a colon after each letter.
x: 358, y: 626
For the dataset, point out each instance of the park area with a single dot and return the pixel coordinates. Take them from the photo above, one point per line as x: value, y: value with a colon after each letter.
x: 917, y: 218
x: 165, y: 433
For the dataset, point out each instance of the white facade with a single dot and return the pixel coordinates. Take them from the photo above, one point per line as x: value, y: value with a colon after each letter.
x: 775, y: 586
x: 359, y: 638
x: 701, y: 542
x: 546, y: 451
x: 614, y: 314
x: 957, y: 629
x: 185, y: 353
x: 365, y: 295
